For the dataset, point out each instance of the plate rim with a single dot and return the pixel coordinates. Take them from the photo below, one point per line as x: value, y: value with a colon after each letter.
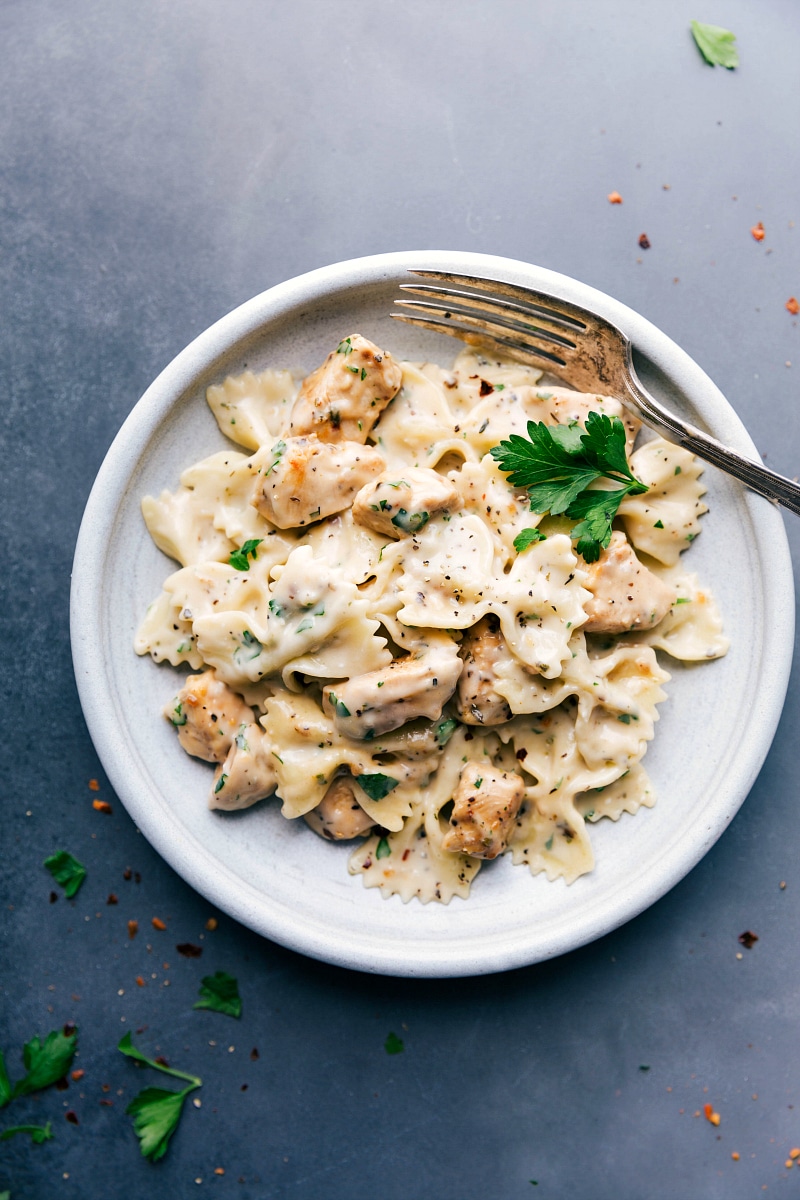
x: 185, y: 853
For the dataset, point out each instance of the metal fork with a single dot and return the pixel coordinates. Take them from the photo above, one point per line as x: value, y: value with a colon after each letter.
x: 580, y: 346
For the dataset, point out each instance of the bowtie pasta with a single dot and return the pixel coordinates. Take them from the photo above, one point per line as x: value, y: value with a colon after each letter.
x: 368, y: 644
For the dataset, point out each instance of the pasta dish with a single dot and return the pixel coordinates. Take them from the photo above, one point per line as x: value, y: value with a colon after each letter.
x: 383, y: 635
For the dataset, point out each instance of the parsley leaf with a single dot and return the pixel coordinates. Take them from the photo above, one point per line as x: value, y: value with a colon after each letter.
x: 377, y: 786
x: 526, y: 538
x: 46, y: 1062
x: 249, y: 550
x: 558, y: 463
x: 717, y: 45
x: 393, y: 1044
x: 156, y: 1111
x: 67, y: 871
x: 38, y: 1133
x: 383, y: 849
x: 445, y: 730
x: 5, y: 1083
x: 220, y: 993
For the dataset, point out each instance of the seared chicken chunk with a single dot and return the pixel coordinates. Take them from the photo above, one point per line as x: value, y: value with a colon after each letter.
x: 309, y: 479
x: 625, y: 595
x: 401, y: 503
x: 482, y: 647
x: 485, y: 806
x: 248, y: 773
x: 339, y: 816
x: 343, y: 398
x: 207, y: 715
x: 418, y: 685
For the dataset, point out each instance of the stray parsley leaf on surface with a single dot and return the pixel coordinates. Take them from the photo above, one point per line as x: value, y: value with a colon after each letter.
x: 249, y: 550
x: 557, y: 463
x: 5, y: 1083
x: 38, y: 1134
x: 46, y: 1062
x: 156, y: 1111
x: 67, y: 871
x: 393, y: 1044
x: 220, y: 993
x: 526, y: 538
x: 376, y: 786
x: 717, y: 45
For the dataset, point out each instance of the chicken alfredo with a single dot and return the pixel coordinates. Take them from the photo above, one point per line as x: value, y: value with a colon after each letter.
x: 370, y: 646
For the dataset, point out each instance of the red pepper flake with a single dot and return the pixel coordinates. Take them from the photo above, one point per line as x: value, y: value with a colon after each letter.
x: 710, y: 1115
x: 486, y: 388
x: 157, y: 923
x: 792, y: 306
x: 758, y: 232
x: 102, y: 806
x: 76, y: 1075
x: 221, y: 1170
x: 107, y: 1103
x: 94, y: 785
x: 212, y: 923
x: 614, y: 198
x: 405, y: 854
x: 748, y: 939
x: 188, y: 950
x: 162, y: 1061
x: 735, y: 1155
x: 794, y: 1153
x: 106, y: 1087
x: 133, y: 928
x: 72, y: 1117
x: 140, y: 982
x: 112, y: 898
x: 127, y: 873
x: 254, y: 1055
x: 644, y: 241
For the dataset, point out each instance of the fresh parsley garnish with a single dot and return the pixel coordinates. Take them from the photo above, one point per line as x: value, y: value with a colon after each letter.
x: 445, y: 730
x: 45, y: 1062
x: 339, y: 706
x: 393, y: 1044
x: 220, y: 993
x: 38, y: 1133
x: 557, y: 464
x: 67, y: 871
x: 249, y: 550
x: 344, y: 347
x: 384, y: 849
x: 377, y: 786
x: 717, y: 45
x: 410, y: 522
x: 156, y: 1111
x: 526, y: 538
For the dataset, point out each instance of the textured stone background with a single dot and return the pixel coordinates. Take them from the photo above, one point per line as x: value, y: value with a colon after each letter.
x: 162, y: 162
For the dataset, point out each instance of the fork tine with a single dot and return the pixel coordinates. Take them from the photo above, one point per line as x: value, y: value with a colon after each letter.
x: 561, y: 326
x: 565, y: 313
x: 533, y: 356
x: 497, y: 317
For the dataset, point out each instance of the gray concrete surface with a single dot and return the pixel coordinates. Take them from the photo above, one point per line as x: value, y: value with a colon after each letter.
x: 159, y: 164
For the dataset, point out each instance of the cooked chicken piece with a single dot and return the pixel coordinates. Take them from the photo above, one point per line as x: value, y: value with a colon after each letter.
x: 485, y: 806
x: 398, y: 504
x: 343, y: 398
x: 248, y: 773
x: 625, y: 595
x: 482, y: 647
x: 416, y: 686
x: 207, y: 714
x: 339, y: 816
x: 310, y: 479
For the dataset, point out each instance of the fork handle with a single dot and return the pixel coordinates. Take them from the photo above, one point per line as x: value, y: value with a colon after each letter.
x: 759, y: 479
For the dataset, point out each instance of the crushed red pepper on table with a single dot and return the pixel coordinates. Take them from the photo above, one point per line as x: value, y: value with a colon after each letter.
x: 102, y: 806
x: 157, y: 923
x: 644, y: 241
x: 133, y: 928
x: 710, y: 1115
x: 614, y: 198
x: 94, y: 785
x: 748, y: 939
x: 188, y: 950
x: 793, y: 306
x: 758, y: 232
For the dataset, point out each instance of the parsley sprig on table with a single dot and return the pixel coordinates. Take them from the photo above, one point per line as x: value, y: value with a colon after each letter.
x: 156, y: 1111
x: 717, y: 45
x: 559, y: 463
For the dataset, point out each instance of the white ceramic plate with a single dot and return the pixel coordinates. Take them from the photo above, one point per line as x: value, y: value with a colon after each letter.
x: 276, y: 876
